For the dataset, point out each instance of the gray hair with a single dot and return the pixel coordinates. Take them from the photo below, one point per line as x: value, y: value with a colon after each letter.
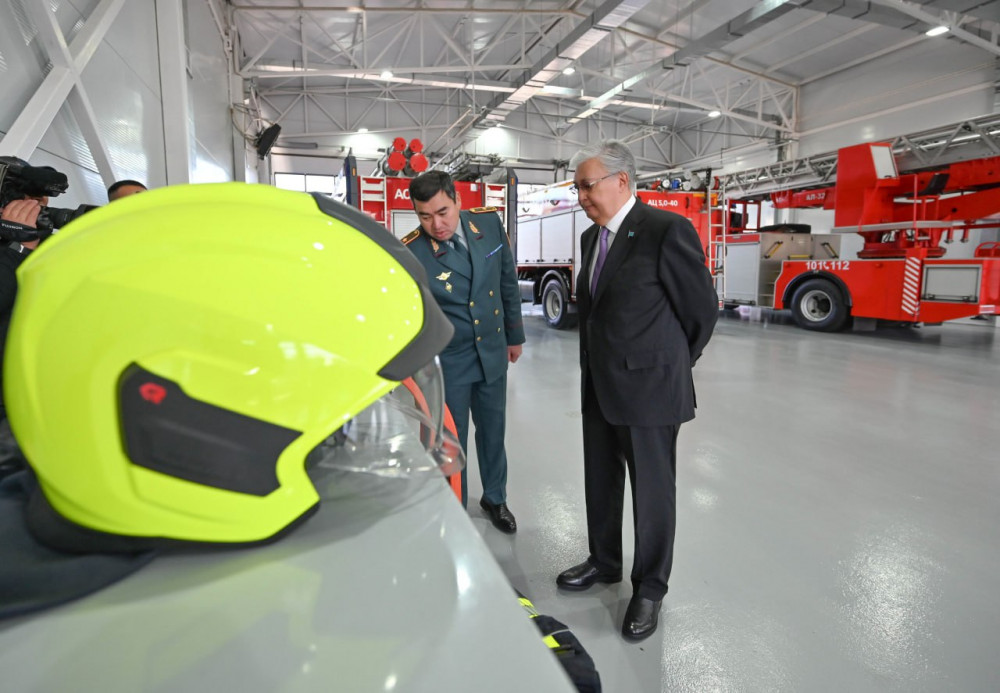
x: 615, y: 156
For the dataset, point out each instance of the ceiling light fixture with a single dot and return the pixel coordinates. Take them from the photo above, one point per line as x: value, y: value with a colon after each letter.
x: 569, y: 70
x: 362, y: 129
x: 714, y: 114
x: 386, y: 74
x: 937, y: 31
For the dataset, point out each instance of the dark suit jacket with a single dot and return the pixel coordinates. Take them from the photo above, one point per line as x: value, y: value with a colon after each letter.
x: 481, y: 297
x: 653, y: 313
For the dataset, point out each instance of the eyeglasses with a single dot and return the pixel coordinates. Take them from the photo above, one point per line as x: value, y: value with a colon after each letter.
x: 588, y: 185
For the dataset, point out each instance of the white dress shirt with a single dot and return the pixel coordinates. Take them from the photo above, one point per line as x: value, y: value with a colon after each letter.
x: 612, y: 226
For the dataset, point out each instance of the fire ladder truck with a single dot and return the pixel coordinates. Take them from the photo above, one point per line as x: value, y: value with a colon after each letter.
x: 901, y: 272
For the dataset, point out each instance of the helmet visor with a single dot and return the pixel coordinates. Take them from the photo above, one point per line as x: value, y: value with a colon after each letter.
x: 400, y: 435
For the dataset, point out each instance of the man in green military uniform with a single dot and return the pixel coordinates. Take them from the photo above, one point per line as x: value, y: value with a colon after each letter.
x: 471, y: 268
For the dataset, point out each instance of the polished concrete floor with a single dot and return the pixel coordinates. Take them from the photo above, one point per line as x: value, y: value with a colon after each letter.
x: 838, y: 512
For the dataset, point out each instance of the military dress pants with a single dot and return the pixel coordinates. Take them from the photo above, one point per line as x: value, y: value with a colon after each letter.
x: 487, y: 403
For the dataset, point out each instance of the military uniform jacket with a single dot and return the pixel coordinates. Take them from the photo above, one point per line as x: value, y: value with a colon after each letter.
x: 479, y: 295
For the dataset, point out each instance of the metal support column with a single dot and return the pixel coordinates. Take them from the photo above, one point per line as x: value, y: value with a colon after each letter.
x: 244, y: 159
x: 177, y: 140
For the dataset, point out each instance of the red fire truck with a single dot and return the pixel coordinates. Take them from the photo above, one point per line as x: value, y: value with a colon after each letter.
x: 900, y: 273
x: 387, y: 199
x: 549, y: 226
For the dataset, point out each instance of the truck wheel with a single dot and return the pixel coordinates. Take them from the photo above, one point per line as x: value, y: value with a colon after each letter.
x: 818, y: 305
x: 555, y: 305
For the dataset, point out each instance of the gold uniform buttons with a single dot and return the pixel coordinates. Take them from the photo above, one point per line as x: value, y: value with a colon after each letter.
x: 491, y: 293
x: 498, y: 329
x: 496, y: 312
x: 472, y: 304
x: 476, y: 322
x: 479, y: 339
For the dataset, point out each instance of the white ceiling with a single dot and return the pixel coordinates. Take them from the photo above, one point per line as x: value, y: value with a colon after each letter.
x: 645, y: 70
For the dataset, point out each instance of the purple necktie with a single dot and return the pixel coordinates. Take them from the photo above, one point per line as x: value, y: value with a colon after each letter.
x: 602, y: 253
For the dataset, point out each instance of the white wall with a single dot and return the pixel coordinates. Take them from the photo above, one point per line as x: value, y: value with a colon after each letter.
x: 907, y: 91
x: 122, y: 81
x: 210, y: 123
x: 322, y: 165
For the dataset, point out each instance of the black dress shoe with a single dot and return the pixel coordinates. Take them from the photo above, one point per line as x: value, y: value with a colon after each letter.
x: 640, y: 618
x: 500, y: 515
x: 582, y: 576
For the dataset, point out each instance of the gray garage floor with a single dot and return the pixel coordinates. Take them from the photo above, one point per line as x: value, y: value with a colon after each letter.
x: 838, y: 513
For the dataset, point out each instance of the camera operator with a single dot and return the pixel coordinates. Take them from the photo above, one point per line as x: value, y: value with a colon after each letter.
x: 25, y: 221
x: 23, y: 212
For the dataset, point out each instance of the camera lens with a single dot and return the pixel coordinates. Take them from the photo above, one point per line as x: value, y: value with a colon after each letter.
x: 56, y: 217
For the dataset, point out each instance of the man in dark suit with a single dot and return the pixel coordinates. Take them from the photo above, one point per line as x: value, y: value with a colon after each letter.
x: 467, y: 255
x: 647, y: 309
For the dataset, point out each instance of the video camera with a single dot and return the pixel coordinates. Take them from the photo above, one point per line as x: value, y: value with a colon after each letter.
x: 18, y: 180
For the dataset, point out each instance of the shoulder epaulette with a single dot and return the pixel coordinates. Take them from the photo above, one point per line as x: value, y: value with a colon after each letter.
x: 480, y: 210
x: 411, y: 236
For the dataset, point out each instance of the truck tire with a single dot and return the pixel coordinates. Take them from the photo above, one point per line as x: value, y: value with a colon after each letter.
x: 555, y: 305
x: 819, y: 305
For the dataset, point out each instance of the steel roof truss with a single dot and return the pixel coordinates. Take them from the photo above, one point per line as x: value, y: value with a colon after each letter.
x: 335, y: 42
x: 498, y: 37
x: 449, y: 42
x: 949, y: 19
x: 63, y: 82
x: 260, y: 54
x: 581, y: 39
x: 327, y: 113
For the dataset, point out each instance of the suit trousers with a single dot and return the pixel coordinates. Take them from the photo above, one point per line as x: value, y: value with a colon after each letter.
x: 488, y: 404
x: 649, y: 454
